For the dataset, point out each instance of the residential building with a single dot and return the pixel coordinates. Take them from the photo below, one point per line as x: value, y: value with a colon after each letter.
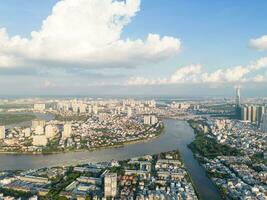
x: 2, y: 132
x: 39, y: 107
x: 110, y: 185
x: 67, y: 131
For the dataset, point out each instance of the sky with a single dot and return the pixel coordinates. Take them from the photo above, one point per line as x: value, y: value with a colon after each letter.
x: 159, y: 47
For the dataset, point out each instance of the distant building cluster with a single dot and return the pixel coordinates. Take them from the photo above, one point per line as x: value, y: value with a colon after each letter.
x: 251, y: 113
x: 83, y: 124
x: 40, y: 107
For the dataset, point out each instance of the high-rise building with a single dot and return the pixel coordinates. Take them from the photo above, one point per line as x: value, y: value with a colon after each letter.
x: 95, y: 109
x: 39, y: 140
x: 264, y: 122
x: 27, y: 132
x: 129, y: 112
x: 253, y: 113
x: 260, y: 112
x: 249, y: 109
x: 39, y: 107
x: 50, y: 131
x: 147, y: 119
x: 110, y: 185
x: 39, y: 130
x: 37, y: 122
x: 238, y: 104
x: 83, y: 108
x: 154, y: 119
x: 150, y: 119
x: 237, y: 100
x: 244, y: 113
x: 90, y: 109
x: 2, y: 132
x: 67, y: 131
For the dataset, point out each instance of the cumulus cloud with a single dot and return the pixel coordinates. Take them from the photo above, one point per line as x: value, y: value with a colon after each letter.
x: 260, y: 43
x: 86, y: 33
x: 195, y: 74
x: 185, y: 74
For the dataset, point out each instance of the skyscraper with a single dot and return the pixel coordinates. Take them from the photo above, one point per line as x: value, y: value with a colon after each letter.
x: 249, y: 113
x: 237, y: 100
x: 253, y: 113
x: 264, y: 122
x: 244, y: 113
x: 261, y: 111
x: 238, y: 104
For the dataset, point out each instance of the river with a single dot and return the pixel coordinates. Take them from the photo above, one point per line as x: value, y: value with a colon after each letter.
x: 177, y: 134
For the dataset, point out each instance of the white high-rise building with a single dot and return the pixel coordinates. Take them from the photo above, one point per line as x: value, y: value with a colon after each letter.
x: 150, y: 119
x: 110, y: 185
x: 39, y: 140
x: 90, y: 109
x: 2, y: 132
x: 37, y: 122
x: 249, y: 109
x: 147, y: 119
x: 83, y: 108
x: 95, y: 109
x: 129, y: 112
x: 152, y: 104
x: 50, y: 131
x: 253, y: 113
x: 67, y: 131
x: 153, y: 119
x: 27, y: 132
x: 264, y: 122
x: 39, y: 130
x: 39, y: 107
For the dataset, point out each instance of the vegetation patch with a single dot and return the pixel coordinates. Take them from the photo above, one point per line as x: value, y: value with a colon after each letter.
x: 6, y: 119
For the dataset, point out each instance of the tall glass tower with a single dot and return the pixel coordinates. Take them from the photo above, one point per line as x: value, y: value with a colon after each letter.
x: 237, y: 100
x: 238, y: 104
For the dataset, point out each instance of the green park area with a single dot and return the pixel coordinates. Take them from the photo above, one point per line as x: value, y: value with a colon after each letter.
x: 7, y: 118
x: 209, y: 148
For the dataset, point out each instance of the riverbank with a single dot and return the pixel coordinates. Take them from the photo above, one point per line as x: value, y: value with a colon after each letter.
x: 205, y: 149
x: 127, y: 173
x: 158, y: 133
x: 208, y: 147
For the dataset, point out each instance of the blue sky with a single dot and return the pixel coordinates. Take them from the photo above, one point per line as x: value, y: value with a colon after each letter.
x: 215, y: 34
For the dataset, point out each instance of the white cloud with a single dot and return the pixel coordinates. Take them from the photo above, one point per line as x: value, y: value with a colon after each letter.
x: 195, y: 74
x: 86, y: 33
x: 185, y: 74
x: 260, y: 43
x: 228, y: 75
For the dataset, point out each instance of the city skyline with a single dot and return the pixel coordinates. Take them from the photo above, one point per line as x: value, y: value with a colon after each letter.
x: 133, y: 47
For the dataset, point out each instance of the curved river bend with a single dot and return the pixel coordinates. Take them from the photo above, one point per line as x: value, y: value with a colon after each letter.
x: 177, y: 135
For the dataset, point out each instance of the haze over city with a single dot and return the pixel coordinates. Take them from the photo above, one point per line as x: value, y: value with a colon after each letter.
x: 136, y: 47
